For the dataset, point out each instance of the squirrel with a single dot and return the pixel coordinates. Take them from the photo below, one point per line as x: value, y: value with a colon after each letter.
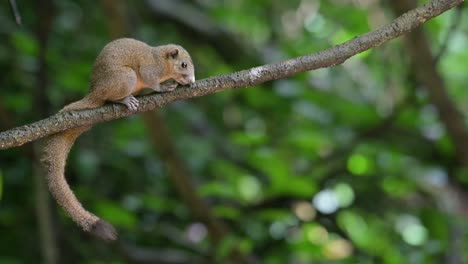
x: 123, y: 67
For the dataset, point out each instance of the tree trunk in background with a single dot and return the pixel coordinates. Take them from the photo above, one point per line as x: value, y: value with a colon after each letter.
x: 424, y: 65
x: 48, y: 243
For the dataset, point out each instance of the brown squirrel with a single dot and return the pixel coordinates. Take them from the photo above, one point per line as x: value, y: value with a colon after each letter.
x: 124, y: 67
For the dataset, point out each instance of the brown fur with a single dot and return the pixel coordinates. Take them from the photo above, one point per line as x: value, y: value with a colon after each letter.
x: 123, y: 67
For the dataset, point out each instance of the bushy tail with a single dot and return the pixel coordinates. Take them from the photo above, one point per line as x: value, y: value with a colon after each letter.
x: 54, y: 159
x: 86, y: 103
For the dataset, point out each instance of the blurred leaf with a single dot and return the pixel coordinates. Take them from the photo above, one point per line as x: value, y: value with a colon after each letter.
x: 8, y: 260
x: 436, y: 222
x: 25, y: 43
x: 359, y: 164
x: 248, y: 138
x: 75, y: 78
x: 462, y: 175
x: 268, y: 161
x: 159, y: 204
x: 116, y: 214
x: 226, y: 246
x: 369, y: 235
x: 398, y: 187
x: 298, y: 187
x: 1, y: 185
x: 308, y: 140
x: 227, y: 212
x: 249, y: 188
x: 217, y: 189
x: 17, y: 102
x: 246, y: 246
x: 344, y: 193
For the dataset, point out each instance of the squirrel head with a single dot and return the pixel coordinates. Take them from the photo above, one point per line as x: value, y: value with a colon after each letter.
x: 180, y: 65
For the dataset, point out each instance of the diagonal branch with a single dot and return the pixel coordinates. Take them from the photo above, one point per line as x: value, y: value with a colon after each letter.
x: 257, y: 75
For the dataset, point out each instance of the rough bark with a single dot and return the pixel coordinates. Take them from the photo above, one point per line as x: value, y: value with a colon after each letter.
x: 254, y: 76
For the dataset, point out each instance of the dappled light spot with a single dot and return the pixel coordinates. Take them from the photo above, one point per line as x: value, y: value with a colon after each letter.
x: 344, y: 193
x: 326, y: 201
x: 431, y: 126
x: 354, y: 225
x: 196, y: 232
x: 287, y: 88
x: 293, y: 235
x: 278, y: 230
x: 337, y: 249
x: 132, y: 202
x: 313, y: 112
x: 358, y: 164
x: 434, y: 131
x: 317, y: 235
x: 256, y: 125
x: 284, y: 228
x: 415, y: 235
x: 316, y: 25
x: 304, y: 211
x: 249, y: 188
x: 436, y: 177
x: 411, y: 230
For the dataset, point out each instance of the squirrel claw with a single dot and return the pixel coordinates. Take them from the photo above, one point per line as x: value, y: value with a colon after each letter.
x: 170, y: 87
x: 165, y: 87
x: 130, y: 101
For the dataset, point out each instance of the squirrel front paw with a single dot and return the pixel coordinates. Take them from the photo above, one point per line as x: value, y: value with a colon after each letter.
x: 165, y: 87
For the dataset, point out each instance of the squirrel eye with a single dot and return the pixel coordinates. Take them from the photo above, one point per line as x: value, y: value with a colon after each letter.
x: 184, y: 65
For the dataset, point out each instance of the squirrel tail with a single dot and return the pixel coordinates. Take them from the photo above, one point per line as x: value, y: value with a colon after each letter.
x: 54, y: 159
x: 87, y: 102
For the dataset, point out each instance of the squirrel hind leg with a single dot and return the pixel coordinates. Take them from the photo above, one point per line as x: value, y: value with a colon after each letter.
x: 116, y: 84
x: 103, y: 230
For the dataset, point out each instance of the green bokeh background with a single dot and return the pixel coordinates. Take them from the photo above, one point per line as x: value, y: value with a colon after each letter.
x: 349, y: 164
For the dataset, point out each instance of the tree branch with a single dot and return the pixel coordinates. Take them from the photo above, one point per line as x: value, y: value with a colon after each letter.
x: 257, y: 75
x: 15, y: 11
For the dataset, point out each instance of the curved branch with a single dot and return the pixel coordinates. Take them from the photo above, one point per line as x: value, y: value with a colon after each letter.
x: 257, y: 75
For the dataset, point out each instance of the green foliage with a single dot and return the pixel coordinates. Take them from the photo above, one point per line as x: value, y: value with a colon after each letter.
x: 349, y: 164
x: 1, y: 185
x: 116, y: 214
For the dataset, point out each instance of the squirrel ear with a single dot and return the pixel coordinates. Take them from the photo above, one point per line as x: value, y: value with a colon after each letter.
x: 173, y: 53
